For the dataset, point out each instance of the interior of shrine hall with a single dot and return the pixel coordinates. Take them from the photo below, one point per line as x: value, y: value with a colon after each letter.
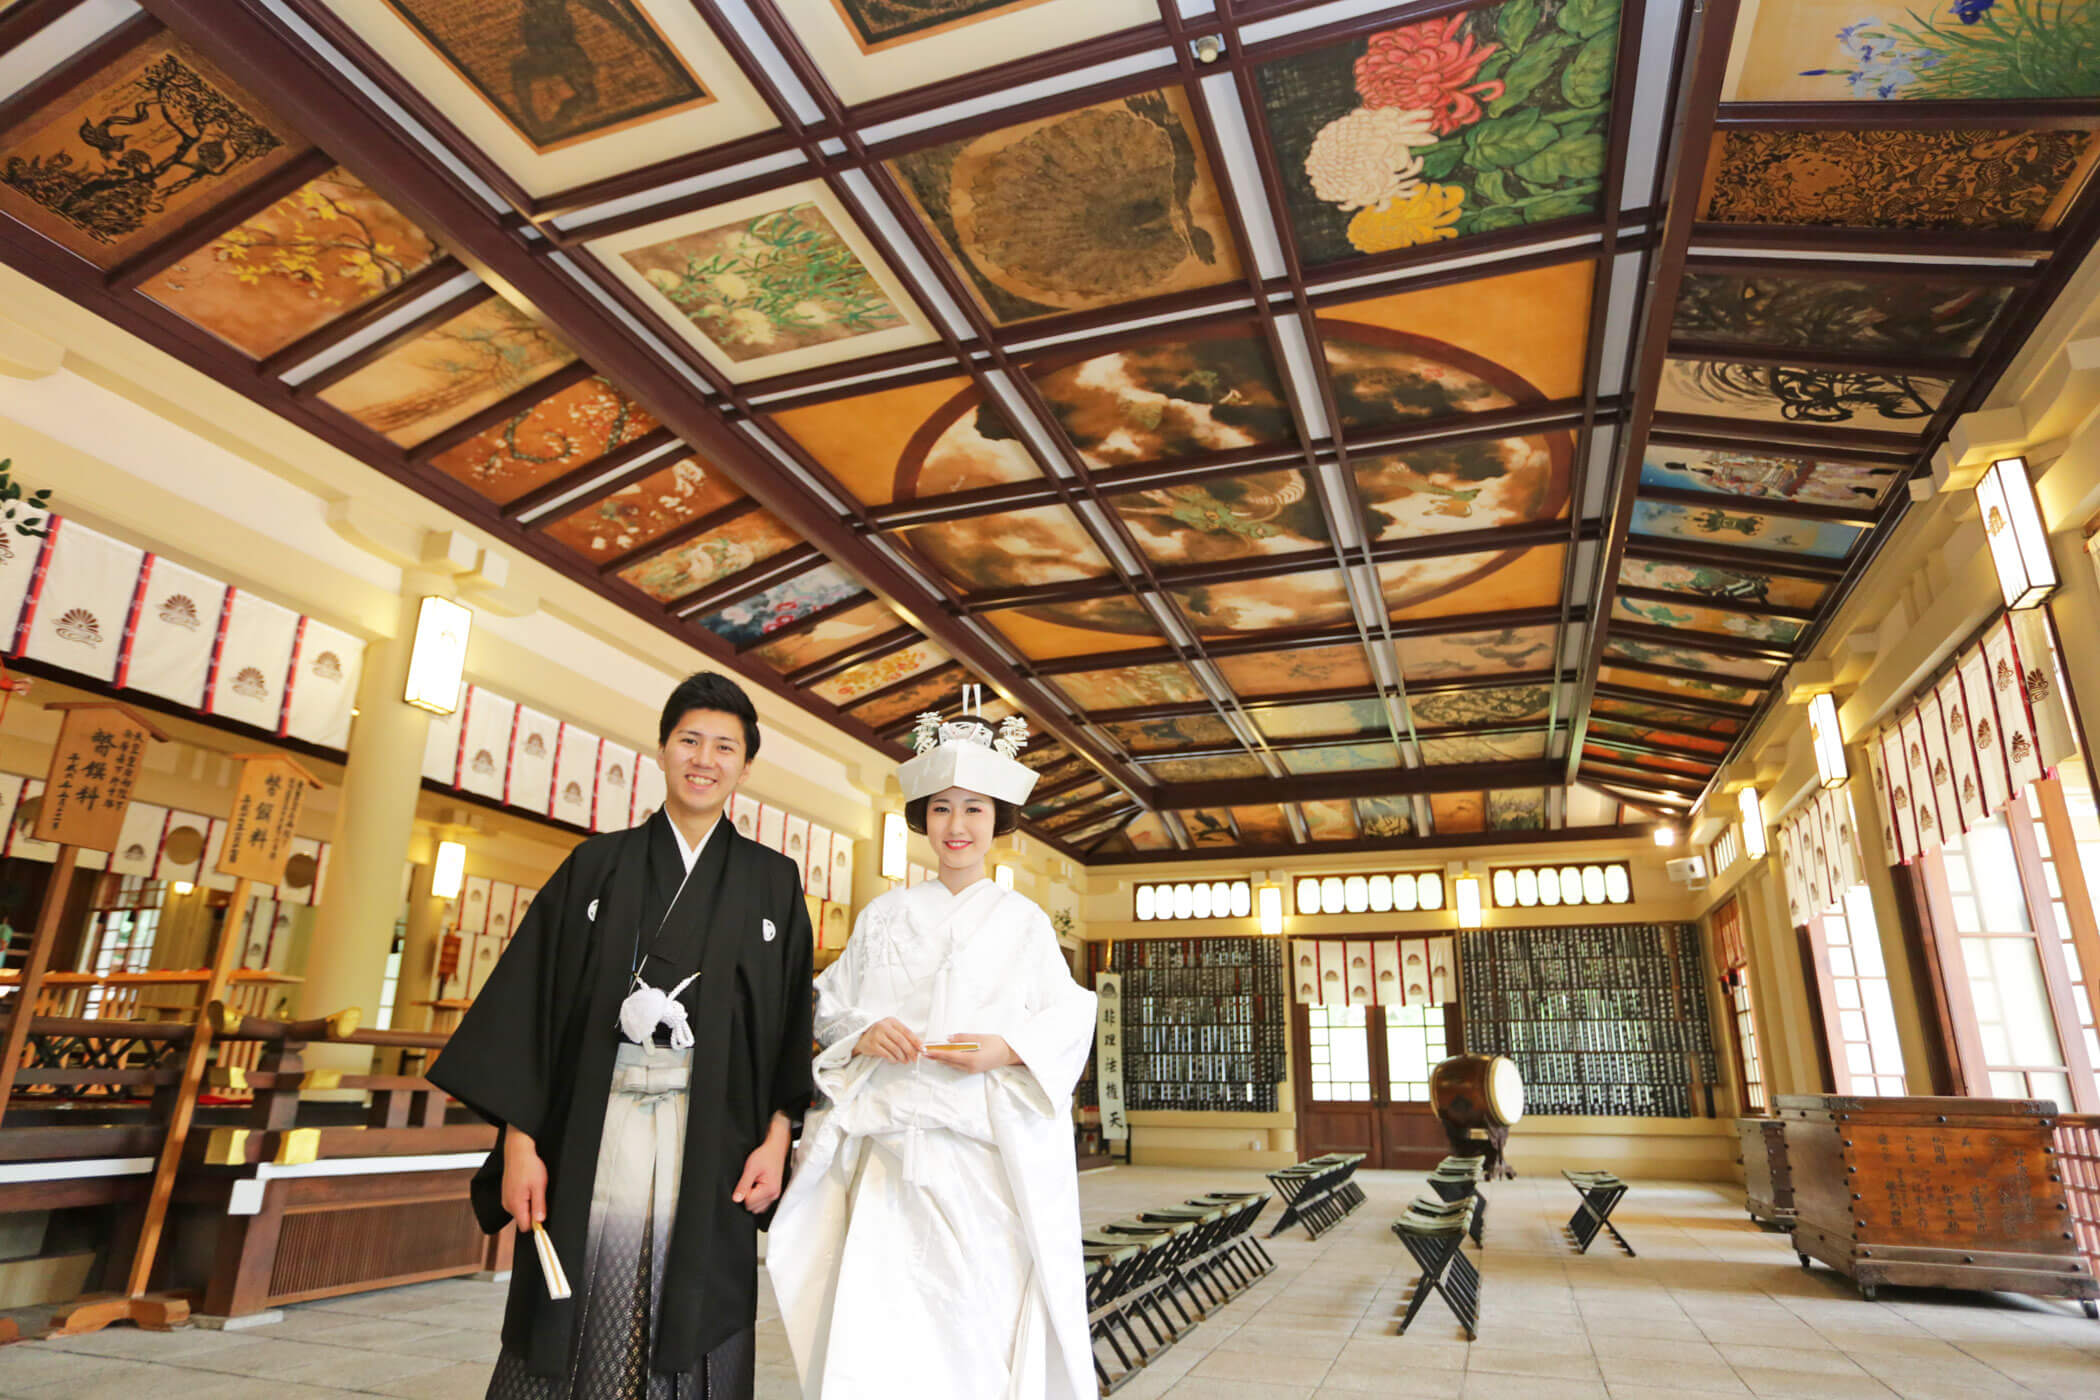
x: 1546, y: 549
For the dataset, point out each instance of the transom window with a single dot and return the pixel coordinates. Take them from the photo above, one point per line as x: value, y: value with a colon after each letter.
x: 1551, y: 886
x: 1414, y: 1045
x: 1195, y: 899
x: 1403, y: 892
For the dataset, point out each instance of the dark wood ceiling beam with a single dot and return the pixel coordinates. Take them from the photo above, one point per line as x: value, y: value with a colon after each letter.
x: 808, y: 622
x: 2027, y: 114
x: 874, y: 649
x: 1688, y: 788
x: 1328, y: 787
x: 678, y: 537
x: 1884, y: 243
x: 963, y: 505
x: 319, y: 341
x: 511, y: 405
x: 322, y: 380
x: 41, y: 92
x: 614, y: 472
x: 215, y: 219
x: 869, y: 374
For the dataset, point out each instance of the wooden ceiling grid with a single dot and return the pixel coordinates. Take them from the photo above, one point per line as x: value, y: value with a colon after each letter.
x: 1699, y: 417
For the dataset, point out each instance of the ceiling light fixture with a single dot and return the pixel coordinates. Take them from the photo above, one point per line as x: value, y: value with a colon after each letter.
x: 1753, y: 810
x: 1829, y: 742
x: 2012, y: 523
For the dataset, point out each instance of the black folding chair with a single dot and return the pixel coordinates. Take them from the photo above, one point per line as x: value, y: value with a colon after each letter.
x: 1601, y: 1193
x: 1433, y: 1232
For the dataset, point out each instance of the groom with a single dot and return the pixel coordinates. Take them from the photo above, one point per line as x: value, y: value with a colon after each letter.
x: 644, y: 1043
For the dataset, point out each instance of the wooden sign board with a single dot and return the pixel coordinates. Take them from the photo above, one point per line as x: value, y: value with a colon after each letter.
x: 93, y: 770
x: 265, y: 818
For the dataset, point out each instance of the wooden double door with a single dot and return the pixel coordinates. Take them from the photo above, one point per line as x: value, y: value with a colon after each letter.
x: 1360, y: 1076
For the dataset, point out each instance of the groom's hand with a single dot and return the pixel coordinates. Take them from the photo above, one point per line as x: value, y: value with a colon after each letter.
x: 764, y: 1170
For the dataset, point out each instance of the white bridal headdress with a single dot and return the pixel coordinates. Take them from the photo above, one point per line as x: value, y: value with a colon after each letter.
x: 966, y: 752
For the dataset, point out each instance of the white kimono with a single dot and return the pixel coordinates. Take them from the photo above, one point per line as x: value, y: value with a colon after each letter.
x: 928, y: 1245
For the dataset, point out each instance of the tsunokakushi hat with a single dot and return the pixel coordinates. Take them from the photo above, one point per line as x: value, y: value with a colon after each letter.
x: 966, y: 752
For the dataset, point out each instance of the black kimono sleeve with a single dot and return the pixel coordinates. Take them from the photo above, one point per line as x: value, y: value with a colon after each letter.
x: 501, y: 1061
x: 794, y: 1083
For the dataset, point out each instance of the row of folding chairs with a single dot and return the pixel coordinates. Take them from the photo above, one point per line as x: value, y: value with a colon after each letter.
x: 1318, y: 1193
x: 1153, y: 1276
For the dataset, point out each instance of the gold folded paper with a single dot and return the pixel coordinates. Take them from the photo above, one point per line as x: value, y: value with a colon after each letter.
x: 550, y: 1265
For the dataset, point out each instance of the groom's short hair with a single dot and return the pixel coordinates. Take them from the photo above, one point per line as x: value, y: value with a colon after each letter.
x: 710, y: 690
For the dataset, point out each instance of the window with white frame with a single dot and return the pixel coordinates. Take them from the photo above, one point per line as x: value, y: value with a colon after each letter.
x: 1859, y: 1018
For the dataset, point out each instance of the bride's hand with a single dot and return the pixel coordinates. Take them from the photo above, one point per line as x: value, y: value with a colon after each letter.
x: 889, y: 1039
x: 992, y: 1052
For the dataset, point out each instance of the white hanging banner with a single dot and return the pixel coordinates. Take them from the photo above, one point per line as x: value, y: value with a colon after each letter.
x: 648, y: 788
x: 1984, y: 731
x: 503, y: 904
x: 484, y: 742
x: 575, y: 776
x: 474, y: 905
x: 1334, y: 972
x: 1108, y: 1054
x: 1932, y: 722
x: 1878, y: 773
x: 1305, y: 971
x: 1385, y: 973
x: 614, y: 810
x: 326, y: 667
x: 1416, y: 974
x: 441, y: 745
x: 173, y: 633
x: 477, y: 956
x: 816, y: 870
x: 1899, y: 794
x: 534, y: 737
x: 794, y: 843
x: 138, y: 840
x: 255, y: 657
x: 1443, y: 959
x: 517, y: 912
x: 772, y: 827
x: 1961, y: 750
x: 2023, y: 757
x: 1924, y: 801
x: 79, y: 607
x: 20, y: 558
x: 2055, y: 739
x: 1361, y: 984
x: 1790, y: 868
x: 744, y: 812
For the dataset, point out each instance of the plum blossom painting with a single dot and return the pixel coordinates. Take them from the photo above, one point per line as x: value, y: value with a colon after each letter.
x: 1846, y: 51
x: 326, y: 248
x: 1434, y: 131
x: 1078, y: 210
x: 568, y: 428
x: 634, y: 516
x: 1773, y: 476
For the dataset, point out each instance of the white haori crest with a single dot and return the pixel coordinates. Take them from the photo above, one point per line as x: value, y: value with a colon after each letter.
x: 648, y: 1007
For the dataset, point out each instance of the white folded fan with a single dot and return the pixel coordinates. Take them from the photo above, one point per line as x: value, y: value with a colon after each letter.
x: 550, y: 1265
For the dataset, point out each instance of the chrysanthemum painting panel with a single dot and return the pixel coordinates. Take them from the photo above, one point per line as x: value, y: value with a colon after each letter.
x: 1079, y: 210
x: 648, y: 510
x: 1436, y: 130
x: 326, y: 248
x: 1961, y: 50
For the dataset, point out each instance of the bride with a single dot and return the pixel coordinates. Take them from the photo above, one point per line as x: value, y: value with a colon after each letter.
x: 928, y: 1243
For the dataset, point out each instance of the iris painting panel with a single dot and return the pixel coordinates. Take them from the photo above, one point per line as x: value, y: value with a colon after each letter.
x: 326, y: 248
x: 1936, y: 316
x: 1692, y: 617
x: 745, y: 623
x: 634, y: 516
x: 1142, y: 736
x: 1329, y: 718
x: 1386, y: 816
x: 1668, y: 520
x: 1516, y: 809
x: 1722, y: 585
x: 1078, y: 210
x: 122, y: 157
x: 1433, y: 131
x: 1929, y: 178
x: 1770, y: 475
x: 1294, y: 672
x: 1461, y: 655
x: 558, y: 71
x: 1825, y: 398
x: 728, y: 549
x: 484, y: 354
x: 1960, y: 50
x: 1510, y: 704
x: 1329, y: 820
x: 561, y: 432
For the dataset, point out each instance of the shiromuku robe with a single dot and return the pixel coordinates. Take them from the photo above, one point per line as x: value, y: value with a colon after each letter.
x: 928, y: 1244
x: 537, y: 1051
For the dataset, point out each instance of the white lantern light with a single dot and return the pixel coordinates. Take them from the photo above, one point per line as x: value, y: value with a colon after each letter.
x: 2012, y: 523
x: 1549, y: 887
x: 1271, y: 909
x: 1201, y: 907
x: 1381, y: 894
x: 1331, y: 894
x: 1593, y: 884
x: 1617, y: 888
x: 1466, y: 892
x: 1527, y: 887
x: 1184, y: 901
x: 1829, y: 743
x: 1753, y: 810
x: 1505, y: 888
x: 1003, y: 876
x: 1220, y: 898
x: 1570, y: 885
x: 1666, y: 835
x: 1145, y: 898
x: 1243, y: 899
x: 1309, y: 895
x: 1429, y: 891
x: 894, y: 836
x: 450, y: 872
x: 1407, y: 894
x: 439, y: 658
x: 1356, y: 894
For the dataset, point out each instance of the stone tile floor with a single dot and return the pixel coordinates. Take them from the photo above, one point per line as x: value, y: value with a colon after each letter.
x: 1711, y: 1307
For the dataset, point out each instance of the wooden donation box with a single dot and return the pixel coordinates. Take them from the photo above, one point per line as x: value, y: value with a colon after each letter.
x: 1768, y: 1182
x: 1933, y: 1192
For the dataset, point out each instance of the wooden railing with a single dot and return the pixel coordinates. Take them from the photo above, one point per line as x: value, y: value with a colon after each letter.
x: 2078, y: 1160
